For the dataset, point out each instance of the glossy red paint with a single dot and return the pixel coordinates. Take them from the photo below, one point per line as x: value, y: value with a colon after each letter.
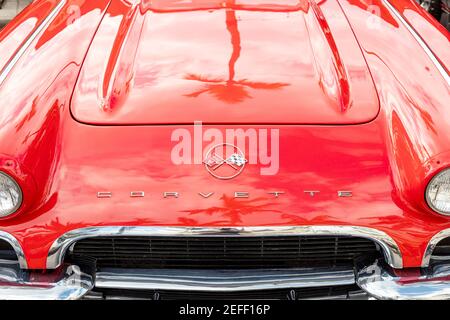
x: 435, y: 34
x: 62, y: 163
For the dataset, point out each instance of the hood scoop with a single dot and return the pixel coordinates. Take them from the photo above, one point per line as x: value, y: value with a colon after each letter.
x: 178, y: 62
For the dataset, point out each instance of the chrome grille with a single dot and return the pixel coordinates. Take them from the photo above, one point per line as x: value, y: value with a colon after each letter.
x: 223, y: 252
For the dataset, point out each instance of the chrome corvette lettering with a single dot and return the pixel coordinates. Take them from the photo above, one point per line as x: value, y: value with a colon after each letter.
x: 206, y: 195
x: 276, y: 193
x: 236, y: 194
x: 240, y: 194
x: 171, y: 194
x: 103, y: 195
x: 137, y: 194
x: 345, y: 194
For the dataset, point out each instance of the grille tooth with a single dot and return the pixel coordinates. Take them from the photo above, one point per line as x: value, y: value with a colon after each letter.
x: 224, y: 252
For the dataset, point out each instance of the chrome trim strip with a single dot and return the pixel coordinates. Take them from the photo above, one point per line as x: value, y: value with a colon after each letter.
x: 68, y: 283
x: 381, y: 282
x: 432, y: 244
x: 352, y: 295
x: 7, y: 69
x: 222, y: 280
x: 421, y: 42
x: 440, y: 258
x: 16, y: 246
x: 390, y: 248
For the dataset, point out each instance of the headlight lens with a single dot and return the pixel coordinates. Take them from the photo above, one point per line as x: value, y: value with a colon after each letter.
x: 10, y: 195
x: 438, y: 192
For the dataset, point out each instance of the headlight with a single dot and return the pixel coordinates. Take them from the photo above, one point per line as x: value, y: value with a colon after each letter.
x: 10, y: 195
x: 438, y: 192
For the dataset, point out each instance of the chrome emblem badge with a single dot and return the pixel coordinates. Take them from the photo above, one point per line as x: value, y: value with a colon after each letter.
x: 225, y: 161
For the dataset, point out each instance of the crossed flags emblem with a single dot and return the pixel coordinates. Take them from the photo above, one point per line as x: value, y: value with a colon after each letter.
x: 235, y: 161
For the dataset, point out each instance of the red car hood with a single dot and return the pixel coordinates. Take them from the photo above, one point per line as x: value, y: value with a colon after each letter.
x: 254, y: 63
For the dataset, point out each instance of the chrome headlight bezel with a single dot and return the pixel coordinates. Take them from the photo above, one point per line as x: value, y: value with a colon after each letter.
x: 437, y: 176
x: 19, y: 195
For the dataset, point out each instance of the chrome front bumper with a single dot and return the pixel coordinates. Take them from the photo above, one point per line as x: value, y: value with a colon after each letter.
x: 69, y: 282
x: 382, y: 282
x: 66, y: 283
x: 222, y: 280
